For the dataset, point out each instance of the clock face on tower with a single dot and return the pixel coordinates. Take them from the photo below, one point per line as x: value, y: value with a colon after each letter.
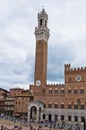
x: 38, y: 83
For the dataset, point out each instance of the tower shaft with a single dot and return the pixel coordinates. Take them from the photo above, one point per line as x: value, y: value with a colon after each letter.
x: 42, y: 35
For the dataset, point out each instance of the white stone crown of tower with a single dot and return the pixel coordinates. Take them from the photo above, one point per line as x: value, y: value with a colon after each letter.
x: 42, y: 32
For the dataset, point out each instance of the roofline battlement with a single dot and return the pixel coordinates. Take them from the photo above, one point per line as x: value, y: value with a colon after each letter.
x: 51, y: 85
x: 55, y: 85
x: 69, y: 69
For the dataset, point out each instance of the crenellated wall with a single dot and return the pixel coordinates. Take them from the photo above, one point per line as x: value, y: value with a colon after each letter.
x: 69, y: 69
x: 71, y: 74
x: 55, y: 85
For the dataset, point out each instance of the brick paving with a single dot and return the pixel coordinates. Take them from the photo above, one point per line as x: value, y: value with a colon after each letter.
x: 10, y: 124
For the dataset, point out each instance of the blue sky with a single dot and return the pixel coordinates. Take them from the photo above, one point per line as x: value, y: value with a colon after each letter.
x: 67, y: 42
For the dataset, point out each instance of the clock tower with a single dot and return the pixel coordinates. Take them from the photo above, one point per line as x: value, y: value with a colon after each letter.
x: 42, y: 36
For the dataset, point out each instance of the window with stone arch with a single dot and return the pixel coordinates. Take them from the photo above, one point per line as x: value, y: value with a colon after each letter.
x: 75, y: 91
x: 50, y: 90
x: 75, y: 106
x: 82, y: 106
x: 56, y: 90
x: 40, y: 22
x: 49, y: 105
x: 62, y: 105
x: 81, y: 90
x: 62, y: 91
x: 69, y: 91
x: 56, y: 105
x: 69, y: 105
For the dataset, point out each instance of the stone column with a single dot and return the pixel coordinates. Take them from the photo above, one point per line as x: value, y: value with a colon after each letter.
x: 66, y: 118
x: 53, y: 118
x: 79, y: 119
x: 72, y: 118
x: 46, y: 117
x: 37, y: 117
x: 41, y: 118
x: 28, y: 114
x: 59, y: 117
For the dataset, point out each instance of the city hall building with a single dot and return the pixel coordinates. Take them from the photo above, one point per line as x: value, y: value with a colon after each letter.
x: 55, y: 101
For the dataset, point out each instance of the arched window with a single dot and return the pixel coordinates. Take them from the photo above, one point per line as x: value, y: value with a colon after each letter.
x: 62, y: 91
x: 40, y: 22
x: 82, y: 106
x: 69, y: 118
x: 62, y: 117
x: 76, y: 118
x: 82, y: 90
x: 56, y: 105
x: 49, y: 105
x: 50, y: 91
x: 75, y: 106
x: 56, y: 91
x: 69, y: 106
x: 69, y: 91
x: 75, y: 91
x: 43, y: 116
x: 62, y: 105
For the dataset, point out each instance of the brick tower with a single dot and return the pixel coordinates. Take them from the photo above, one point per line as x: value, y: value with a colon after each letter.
x: 42, y: 36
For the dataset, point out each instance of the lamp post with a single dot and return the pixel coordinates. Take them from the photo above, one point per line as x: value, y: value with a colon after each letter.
x: 84, y: 124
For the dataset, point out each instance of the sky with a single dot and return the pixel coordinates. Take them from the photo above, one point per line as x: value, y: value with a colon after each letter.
x: 67, y: 42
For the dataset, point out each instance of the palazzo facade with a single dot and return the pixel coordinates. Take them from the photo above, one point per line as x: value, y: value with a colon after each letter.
x: 55, y: 101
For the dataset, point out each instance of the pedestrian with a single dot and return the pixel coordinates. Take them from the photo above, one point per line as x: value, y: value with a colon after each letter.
x: 58, y: 125
x: 31, y: 128
x: 39, y: 128
x: 54, y: 125
x: 2, y: 127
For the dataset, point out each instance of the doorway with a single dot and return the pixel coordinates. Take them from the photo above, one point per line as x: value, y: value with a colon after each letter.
x: 33, y: 113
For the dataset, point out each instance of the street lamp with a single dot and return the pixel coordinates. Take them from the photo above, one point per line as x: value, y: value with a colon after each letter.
x: 84, y: 124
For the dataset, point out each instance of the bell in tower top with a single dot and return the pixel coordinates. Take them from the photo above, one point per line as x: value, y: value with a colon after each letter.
x: 42, y: 31
x: 42, y: 19
x: 43, y: 10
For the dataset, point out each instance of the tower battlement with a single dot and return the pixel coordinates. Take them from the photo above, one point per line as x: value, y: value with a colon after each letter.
x: 69, y: 69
